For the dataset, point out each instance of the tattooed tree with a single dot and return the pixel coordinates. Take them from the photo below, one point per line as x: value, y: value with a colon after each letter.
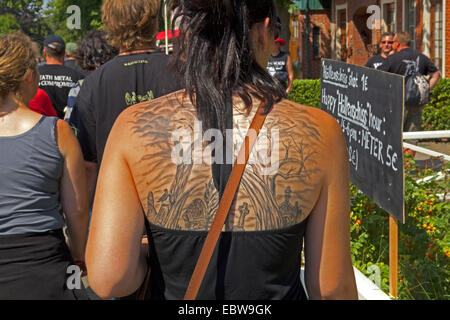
x: 295, y: 164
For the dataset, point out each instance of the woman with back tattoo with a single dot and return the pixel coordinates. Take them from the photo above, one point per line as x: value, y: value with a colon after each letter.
x: 167, y: 163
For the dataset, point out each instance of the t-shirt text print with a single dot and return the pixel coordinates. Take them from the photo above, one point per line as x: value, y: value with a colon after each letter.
x: 56, y: 81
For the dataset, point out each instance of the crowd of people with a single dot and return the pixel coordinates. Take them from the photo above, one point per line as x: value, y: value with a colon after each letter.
x: 88, y: 177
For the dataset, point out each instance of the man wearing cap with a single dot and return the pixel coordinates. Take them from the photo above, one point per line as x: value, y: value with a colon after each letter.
x: 55, y: 78
x: 280, y: 65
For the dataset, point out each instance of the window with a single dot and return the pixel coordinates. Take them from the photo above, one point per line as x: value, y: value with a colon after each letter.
x: 389, y: 17
x: 411, y: 21
x: 316, y: 42
x: 437, y: 54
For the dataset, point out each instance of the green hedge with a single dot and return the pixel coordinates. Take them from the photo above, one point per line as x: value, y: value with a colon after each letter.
x: 436, y: 115
x: 306, y: 92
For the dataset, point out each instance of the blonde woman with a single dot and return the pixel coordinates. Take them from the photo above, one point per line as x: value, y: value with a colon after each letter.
x: 42, y: 189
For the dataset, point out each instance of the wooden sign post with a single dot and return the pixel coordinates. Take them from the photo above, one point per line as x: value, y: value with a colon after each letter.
x: 393, y: 257
x: 369, y: 104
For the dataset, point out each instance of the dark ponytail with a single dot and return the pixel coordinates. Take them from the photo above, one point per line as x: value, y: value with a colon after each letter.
x: 216, y: 58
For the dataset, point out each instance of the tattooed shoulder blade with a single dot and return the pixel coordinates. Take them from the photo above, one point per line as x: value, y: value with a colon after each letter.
x: 183, y: 196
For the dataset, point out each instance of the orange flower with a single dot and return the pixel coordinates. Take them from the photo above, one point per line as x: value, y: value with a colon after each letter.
x: 359, y: 222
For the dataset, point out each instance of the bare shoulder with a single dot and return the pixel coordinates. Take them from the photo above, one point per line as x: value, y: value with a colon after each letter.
x: 315, y: 121
x: 151, y: 122
x: 142, y: 115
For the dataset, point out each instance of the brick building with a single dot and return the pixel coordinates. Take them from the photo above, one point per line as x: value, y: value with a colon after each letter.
x: 346, y: 30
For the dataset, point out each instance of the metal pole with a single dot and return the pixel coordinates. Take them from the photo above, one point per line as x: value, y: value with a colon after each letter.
x: 166, y: 27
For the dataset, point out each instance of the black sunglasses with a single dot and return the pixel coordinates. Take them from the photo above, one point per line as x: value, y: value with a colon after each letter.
x: 389, y: 42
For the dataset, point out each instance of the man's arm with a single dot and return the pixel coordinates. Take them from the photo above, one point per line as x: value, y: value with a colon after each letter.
x: 290, y: 70
x: 432, y: 71
x: 434, y: 79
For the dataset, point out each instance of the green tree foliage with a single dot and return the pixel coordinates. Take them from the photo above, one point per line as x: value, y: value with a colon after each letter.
x: 25, y: 15
x: 58, y: 16
x: 8, y: 23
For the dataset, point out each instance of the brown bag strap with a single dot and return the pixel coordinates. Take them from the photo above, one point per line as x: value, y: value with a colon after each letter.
x: 225, y: 205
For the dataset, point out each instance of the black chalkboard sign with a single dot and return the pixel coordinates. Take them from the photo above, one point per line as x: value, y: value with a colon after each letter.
x: 368, y: 104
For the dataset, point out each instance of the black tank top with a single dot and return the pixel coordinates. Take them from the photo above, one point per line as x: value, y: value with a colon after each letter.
x: 246, y: 265
x: 259, y: 265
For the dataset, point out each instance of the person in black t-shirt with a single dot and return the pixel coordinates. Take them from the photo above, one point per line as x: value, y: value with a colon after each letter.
x: 139, y: 73
x: 280, y: 62
x: 387, y: 40
x: 407, y: 62
x: 280, y: 65
x: 55, y: 78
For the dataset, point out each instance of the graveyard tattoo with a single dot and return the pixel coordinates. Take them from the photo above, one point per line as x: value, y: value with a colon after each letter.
x: 275, y: 190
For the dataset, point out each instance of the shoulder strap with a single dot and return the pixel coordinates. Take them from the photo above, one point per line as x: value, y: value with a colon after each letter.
x: 224, y: 206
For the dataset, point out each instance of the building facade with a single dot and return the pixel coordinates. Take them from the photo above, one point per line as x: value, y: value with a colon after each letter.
x: 350, y: 30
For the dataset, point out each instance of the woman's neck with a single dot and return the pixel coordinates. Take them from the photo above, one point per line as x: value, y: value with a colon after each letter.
x: 9, y: 104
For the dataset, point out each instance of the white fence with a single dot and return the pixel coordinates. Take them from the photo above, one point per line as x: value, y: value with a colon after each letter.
x: 426, y: 135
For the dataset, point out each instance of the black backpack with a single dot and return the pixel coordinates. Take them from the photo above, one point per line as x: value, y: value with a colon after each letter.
x: 417, y: 90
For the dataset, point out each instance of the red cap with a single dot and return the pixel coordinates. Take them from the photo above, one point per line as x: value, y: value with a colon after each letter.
x: 282, y: 42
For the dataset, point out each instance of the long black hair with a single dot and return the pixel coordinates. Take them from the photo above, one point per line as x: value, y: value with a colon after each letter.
x: 215, y: 56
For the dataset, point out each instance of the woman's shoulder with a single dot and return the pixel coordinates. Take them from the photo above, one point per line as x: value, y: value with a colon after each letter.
x: 159, y: 116
x: 304, y: 116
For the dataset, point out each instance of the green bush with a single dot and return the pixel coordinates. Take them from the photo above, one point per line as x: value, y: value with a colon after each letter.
x: 306, y: 92
x: 436, y: 115
x: 424, y: 241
